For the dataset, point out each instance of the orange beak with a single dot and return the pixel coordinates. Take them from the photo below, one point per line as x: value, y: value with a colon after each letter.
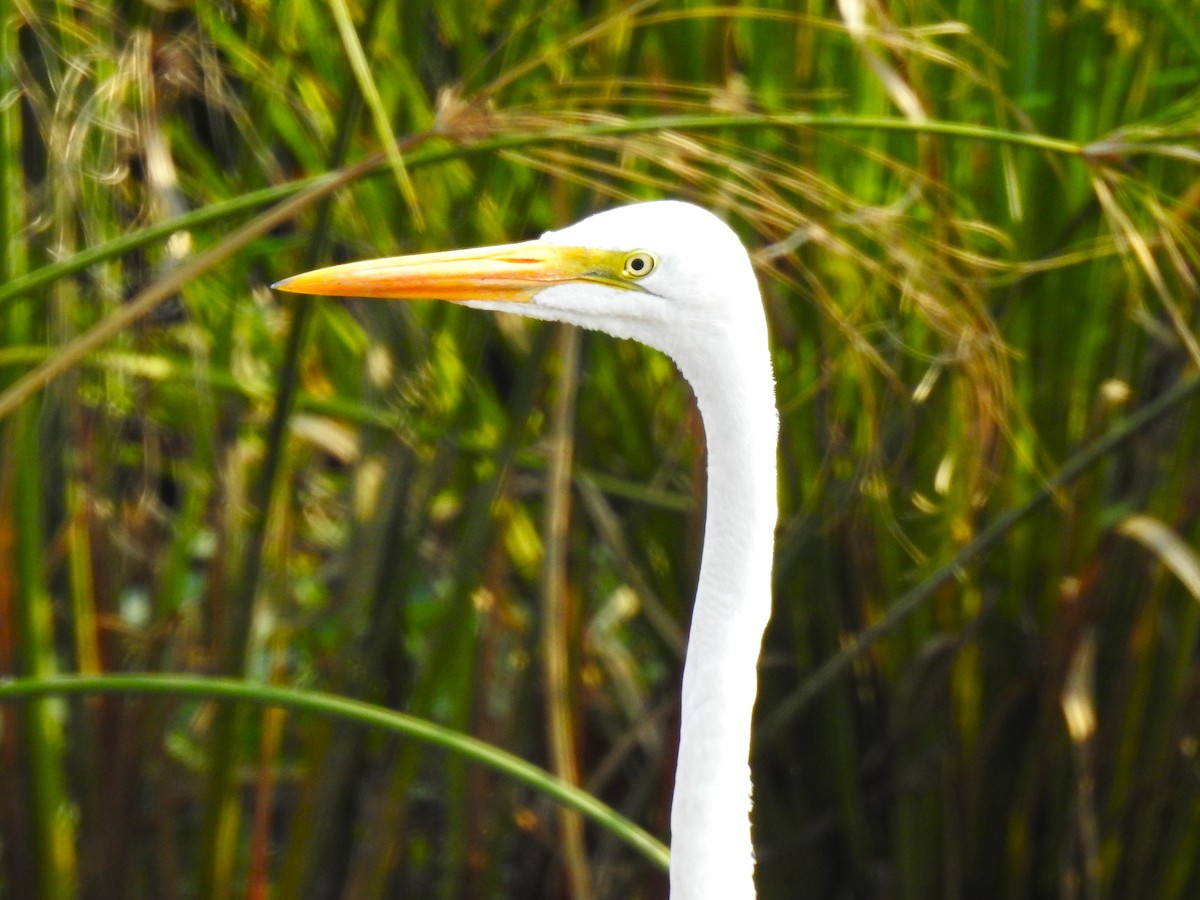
x: 511, y: 272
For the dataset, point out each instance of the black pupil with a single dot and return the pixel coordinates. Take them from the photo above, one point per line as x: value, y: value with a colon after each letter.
x: 637, y: 264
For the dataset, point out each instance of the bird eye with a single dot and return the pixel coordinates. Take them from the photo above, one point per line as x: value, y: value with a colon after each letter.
x: 640, y: 263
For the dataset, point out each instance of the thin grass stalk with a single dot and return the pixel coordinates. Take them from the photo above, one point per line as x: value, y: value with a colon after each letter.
x: 269, y: 764
x: 368, y: 92
x: 557, y: 607
x: 1180, y: 865
x: 83, y: 588
x: 49, y: 805
x: 295, y: 865
x: 1153, y: 746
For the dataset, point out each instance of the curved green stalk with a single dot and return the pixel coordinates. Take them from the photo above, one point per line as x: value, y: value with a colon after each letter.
x: 196, y: 687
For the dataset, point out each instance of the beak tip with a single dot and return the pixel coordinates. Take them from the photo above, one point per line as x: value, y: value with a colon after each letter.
x: 282, y: 284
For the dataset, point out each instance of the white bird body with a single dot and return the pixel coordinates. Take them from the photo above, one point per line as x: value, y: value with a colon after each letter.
x: 673, y: 276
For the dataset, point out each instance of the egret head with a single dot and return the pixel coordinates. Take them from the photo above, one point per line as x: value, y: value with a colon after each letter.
x: 644, y: 271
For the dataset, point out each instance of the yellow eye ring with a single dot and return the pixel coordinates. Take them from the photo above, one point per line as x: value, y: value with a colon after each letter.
x: 639, y: 264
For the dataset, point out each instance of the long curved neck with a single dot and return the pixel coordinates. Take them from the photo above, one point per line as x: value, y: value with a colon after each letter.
x: 711, y: 851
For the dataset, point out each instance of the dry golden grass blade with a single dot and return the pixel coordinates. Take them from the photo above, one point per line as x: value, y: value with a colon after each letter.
x: 1134, y: 240
x: 1172, y: 551
x: 854, y: 14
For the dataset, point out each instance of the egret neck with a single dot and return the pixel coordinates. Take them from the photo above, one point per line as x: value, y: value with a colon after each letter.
x: 711, y: 851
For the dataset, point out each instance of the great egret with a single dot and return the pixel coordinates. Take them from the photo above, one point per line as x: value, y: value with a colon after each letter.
x: 674, y: 276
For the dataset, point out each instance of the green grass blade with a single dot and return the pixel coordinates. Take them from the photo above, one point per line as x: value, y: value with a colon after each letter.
x: 347, y: 710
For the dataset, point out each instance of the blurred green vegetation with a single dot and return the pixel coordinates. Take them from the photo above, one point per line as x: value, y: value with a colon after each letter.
x: 976, y: 231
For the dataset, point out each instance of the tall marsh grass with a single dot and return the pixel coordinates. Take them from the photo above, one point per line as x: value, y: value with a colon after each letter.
x: 976, y: 231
